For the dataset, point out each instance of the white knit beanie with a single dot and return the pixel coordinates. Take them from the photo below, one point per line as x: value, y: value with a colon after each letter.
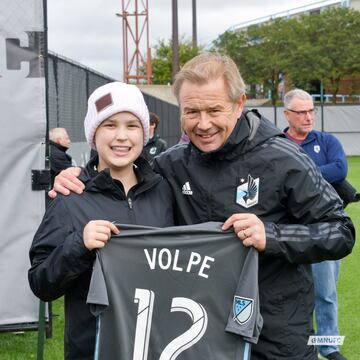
x: 111, y: 99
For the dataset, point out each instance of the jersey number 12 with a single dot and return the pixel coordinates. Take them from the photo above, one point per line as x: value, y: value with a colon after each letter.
x: 145, y: 298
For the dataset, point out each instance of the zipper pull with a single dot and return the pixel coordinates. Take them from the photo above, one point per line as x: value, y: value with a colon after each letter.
x: 130, y: 203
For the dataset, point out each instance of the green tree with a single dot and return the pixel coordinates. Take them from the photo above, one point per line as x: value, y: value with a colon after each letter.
x: 162, y: 60
x: 323, y: 47
x: 272, y: 42
x: 261, y: 52
x: 237, y: 45
x: 328, y: 49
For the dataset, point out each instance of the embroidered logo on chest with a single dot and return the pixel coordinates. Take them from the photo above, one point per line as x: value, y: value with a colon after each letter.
x: 247, y: 194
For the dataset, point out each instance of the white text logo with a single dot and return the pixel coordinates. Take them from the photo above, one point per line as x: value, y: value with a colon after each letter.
x: 326, y: 340
x: 186, y: 189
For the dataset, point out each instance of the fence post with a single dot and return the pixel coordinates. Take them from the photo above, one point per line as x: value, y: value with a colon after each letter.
x: 322, y: 104
x: 41, y: 331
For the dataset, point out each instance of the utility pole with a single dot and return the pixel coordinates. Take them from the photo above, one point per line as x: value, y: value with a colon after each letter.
x: 175, y: 40
x: 194, y: 25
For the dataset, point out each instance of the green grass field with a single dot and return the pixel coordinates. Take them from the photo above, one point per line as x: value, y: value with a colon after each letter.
x: 348, y: 290
x: 23, y: 346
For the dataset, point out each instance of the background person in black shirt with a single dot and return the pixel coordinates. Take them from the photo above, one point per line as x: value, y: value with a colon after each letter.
x: 156, y: 144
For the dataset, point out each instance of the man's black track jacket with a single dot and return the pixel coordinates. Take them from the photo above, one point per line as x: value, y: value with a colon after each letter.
x: 303, y: 216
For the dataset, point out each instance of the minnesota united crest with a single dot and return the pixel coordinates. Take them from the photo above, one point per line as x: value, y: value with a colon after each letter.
x: 242, y: 309
x: 247, y: 194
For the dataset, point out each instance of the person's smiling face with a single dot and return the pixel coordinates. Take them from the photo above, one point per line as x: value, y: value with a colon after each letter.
x: 208, y: 116
x: 119, y: 142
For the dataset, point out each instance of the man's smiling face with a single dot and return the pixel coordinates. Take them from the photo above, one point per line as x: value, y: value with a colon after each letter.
x: 208, y: 116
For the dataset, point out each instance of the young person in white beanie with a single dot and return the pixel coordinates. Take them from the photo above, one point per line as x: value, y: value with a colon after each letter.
x: 120, y: 187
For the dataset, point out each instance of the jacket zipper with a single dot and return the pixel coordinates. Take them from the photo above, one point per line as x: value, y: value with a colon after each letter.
x: 129, y: 202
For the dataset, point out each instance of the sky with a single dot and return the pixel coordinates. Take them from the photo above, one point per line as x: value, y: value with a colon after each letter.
x: 89, y: 32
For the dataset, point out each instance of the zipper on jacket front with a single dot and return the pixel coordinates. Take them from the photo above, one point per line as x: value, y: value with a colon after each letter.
x: 131, y: 212
x: 130, y: 203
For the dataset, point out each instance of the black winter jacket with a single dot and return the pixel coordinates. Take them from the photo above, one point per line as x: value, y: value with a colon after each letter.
x: 303, y: 218
x: 59, y: 159
x: 154, y: 147
x: 61, y: 264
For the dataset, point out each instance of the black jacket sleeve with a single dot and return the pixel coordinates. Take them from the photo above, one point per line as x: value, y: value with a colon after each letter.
x: 58, y: 255
x: 320, y: 229
x: 59, y: 159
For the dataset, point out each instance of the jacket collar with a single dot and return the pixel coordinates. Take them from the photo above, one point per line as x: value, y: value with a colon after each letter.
x: 309, y: 138
x: 153, y: 139
x: 103, y: 182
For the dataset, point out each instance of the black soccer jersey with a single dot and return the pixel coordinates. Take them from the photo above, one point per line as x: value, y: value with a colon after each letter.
x: 187, y: 292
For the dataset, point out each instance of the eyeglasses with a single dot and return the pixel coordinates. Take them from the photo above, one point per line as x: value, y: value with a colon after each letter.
x: 303, y: 113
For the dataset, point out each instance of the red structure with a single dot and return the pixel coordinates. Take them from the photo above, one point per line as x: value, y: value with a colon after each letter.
x: 135, y: 23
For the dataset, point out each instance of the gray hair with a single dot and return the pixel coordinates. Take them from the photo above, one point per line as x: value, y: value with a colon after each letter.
x: 298, y: 94
x: 57, y: 133
x: 206, y: 67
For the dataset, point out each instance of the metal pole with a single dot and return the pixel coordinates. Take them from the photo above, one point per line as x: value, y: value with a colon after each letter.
x: 275, y: 114
x: 148, y: 57
x: 41, y: 332
x: 137, y: 50
x: 194, y: 25
x: 175, y: 40
x: 41, y: 324
x: 322, y: 104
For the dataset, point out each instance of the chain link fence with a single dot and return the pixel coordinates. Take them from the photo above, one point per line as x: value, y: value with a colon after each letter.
x: 69, y: 86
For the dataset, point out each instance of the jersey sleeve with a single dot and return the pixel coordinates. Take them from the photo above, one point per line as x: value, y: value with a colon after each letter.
x: 245, y: 318
x: 97, y: 296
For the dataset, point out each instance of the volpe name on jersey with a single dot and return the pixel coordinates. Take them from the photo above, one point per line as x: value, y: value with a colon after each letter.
x: 169, y: 260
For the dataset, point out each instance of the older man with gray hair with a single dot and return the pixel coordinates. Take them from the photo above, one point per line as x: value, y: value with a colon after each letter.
x: 59, y: 145
x: 327, y: 153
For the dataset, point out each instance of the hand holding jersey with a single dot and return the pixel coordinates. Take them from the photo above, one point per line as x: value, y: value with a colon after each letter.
x: 97, y: 233
x: 249, y: 228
